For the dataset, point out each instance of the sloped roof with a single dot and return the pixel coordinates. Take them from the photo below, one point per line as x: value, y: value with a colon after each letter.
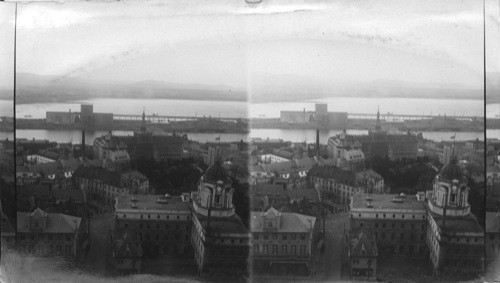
x: 99, y: 173
x: 451, y: 171
x: 70, y: 164
x: 55, y: 222
x: 284, y: 153
x: 268, y: 189
x: 48, y: 168
x: 333, y: 172
x: 364, y: 242
x: 34, y: 190
x: 305, y: 162
x: 310, y: 194
x: 289, y: 222
x: 215, y: 173
x: 64, y: 194
x: 128, y: 245
x: 281, y: 167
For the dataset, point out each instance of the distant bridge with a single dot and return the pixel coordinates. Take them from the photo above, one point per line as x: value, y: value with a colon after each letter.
x: 157, y: 119
x: 389, y: 117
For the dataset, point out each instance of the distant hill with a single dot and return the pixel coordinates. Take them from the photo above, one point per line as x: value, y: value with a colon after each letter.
x: 32, y: 88
x: 291, y: 87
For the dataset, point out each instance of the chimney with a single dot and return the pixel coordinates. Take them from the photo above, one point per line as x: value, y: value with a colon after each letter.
x: 83, y: 144
x: 317, y: 143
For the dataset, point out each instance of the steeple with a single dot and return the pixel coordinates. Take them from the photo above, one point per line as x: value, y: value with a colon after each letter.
x: 143, y: 123
x: 377, y: 125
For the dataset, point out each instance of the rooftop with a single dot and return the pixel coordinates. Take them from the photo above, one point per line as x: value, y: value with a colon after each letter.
x: 99, y: 173
x: 289, y: 222
x: 281, y: 167
x: 64, y: 194
x: 268, y: 189
x: 333, y: 172
x: 379, y: 201
x: 228, y: 225
x: 363, y: 245
x: 216, y: 173
x: 150, y: 202
x: 55, y: 223
x: 299, y: 194
x: 463, y: 224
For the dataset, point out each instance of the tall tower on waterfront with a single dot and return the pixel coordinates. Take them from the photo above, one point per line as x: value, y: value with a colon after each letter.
x: 143, y: 122
x: 377, y: 124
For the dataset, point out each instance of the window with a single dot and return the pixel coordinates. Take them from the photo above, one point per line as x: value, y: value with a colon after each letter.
x: 256, y: 236
x: 256, y: 249
x: 302, y: 237
x: 266, y: 250
x: 294, y: 250
x: 284, y: 249
x: 265, y: 236
x: 275, y: 236
x: 284, y: 236
x: 302, y: 249
x: 275, y: 249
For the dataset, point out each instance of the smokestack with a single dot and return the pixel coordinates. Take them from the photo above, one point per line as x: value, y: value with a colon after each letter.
x: 317, y: 143
x: 83, y: 144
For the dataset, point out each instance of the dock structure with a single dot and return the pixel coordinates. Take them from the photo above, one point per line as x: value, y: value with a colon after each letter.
x: 390, y: 117
x: 161, y: 119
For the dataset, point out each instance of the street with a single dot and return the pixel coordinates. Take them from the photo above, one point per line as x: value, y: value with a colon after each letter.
x: 95, y: 261
x: 329, y: 264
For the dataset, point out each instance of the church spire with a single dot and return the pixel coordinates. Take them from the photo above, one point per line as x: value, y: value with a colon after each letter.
x: 143, y: 123
x: 377, y: 125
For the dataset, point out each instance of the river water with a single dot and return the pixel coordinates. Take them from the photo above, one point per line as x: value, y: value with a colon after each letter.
x: 198, y: 108
x: 166, y: 107
x: 448, y: 107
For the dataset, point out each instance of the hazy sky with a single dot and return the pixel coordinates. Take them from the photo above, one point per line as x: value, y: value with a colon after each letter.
x: 226, y: 42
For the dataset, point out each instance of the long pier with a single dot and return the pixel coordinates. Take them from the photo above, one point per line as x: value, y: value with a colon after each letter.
x: 157, y: 119
x: 390, y: 117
